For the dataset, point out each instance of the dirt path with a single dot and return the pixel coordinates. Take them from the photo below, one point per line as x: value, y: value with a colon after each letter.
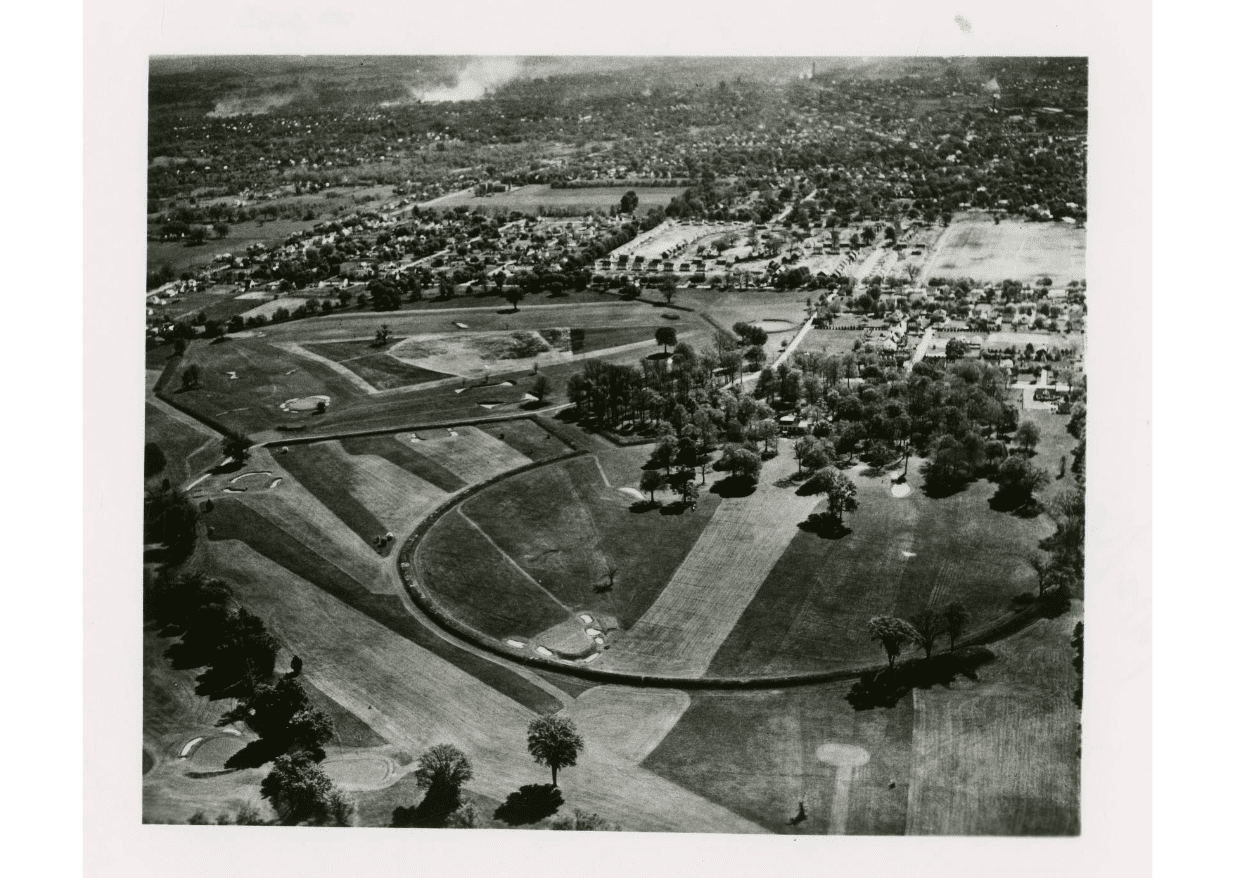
x: 414, y: 699
x: 689, y: 621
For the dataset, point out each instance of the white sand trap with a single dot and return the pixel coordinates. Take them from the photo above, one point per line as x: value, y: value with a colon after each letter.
x: 461, y: 325
x: 517, y: 644
x: 544, y: 651
x: 593, y: 632
x: 592, y: 657
x: 530, y: 397
x: 907, y: 554
x: 304, y: 403
x: 261, y: 473
x: 633, y: 492
x: 359, y: 771
x: 585, y: 618
x: 415, y: 437
x: 278, y: 481
x: 461, y: 390
x: 188, y: 748
x: 506, y: 384
x: 901, y: 490
x: 233, y: 376
x: 484, y: 405
x: 291, y: 371
x: 234, y: 490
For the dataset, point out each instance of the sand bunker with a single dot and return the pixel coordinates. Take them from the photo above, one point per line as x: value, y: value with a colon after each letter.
x: 843, y: 755
x: 776, y: 325
x: 633, y: 492
x: 360, y: 771
x: 901, y: 490
x: 517, y: 644
x: 304, y: 403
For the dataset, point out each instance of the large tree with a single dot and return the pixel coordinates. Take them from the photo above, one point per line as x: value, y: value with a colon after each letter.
x: 1028, y: 435
x: 513, y: 294
x: 155, y: 461
x: 236, y: 446
x: 554, y: 741
x: 301, y: 793
x: 666, y: 336
x: 442, y: 771
x: 894, y: 634
x: 1017, y: 479
x: 930, y: 624
x: 957, y: 620
x: 652, y: 480
x: 741, y: 463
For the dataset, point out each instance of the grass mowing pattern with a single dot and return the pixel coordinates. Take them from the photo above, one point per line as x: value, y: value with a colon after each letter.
x: 756, y: 754
x: 474, y: 582
x: 328, y: 479
x: 400, y: 454
x: 561, y: 522
x: 1001, y: 756
x: 349, y: 729
x: 232, y: 520
x: 180, y: 445
x: 528, y: 438
x: 374, y: 365
x: 812, y: 609
x: 471, y: 454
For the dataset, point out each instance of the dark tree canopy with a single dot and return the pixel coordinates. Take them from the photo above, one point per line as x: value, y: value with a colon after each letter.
x: 554, y: 741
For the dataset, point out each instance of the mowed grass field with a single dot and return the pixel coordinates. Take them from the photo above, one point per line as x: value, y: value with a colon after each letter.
x: 477, y: 584
x: 902, y: 555
x: 530, y: 199
x: 1001, y: 756
x: 756, y: 754
x: 234, y: 521
x: 562, y: 526
x: 375, y: 366
x: 188, y: 451
x: 974, y: 246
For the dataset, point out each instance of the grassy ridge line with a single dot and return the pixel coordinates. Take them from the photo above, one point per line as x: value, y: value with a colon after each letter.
x: 234, y: 520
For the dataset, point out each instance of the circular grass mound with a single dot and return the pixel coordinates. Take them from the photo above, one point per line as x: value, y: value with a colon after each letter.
x: 359, y: 771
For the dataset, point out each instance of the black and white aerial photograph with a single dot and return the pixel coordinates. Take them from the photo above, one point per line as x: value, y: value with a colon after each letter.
x: 669, y: 444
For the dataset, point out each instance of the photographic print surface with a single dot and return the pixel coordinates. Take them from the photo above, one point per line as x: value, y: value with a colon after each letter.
x: 682, y: 444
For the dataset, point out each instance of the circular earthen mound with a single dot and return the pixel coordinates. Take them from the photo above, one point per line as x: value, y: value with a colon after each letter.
x: 776, y: 325
x: 901, y: 490
x: 360, y: 771
x: 304, y: 403
x: 212, y: 753
x: 843, y: 754
x: 260, y: 479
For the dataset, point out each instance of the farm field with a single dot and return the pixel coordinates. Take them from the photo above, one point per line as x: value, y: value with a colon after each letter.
x: 974, y: 246
x: 1001, y: 756
x: 181, y: 257
x: 758, y: 754
x: 903, y: 554
x: 540, y: 197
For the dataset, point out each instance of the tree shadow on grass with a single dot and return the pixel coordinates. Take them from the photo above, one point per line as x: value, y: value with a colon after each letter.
x: 942, y: 491
x: 886, y: 687
x: 431, y: 813
x: 734, y: 486
x: 1003, y: 502
x: 825, y: 525
x: 529, y: 804
x: 640, y: 506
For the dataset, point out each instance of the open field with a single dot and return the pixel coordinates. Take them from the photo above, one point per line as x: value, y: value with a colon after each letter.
x: 903, y: 554
x: 562, y: 525
x: 323, y: 469
x: 375, y: 366
x: 467, y: 452
x: 502, y: 601
x: 757, y: 753
x: 527, y: 438
x: 691, y: 618
x: 188, y: 450
x: 402, y: 455
x: 181, y: 257
x: 974, y: 246
x: 1001, y: 756
x: 529, y: 199
x: 291, y: 561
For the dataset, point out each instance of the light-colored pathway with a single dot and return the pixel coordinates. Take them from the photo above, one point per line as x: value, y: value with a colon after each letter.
x: 683, y: 630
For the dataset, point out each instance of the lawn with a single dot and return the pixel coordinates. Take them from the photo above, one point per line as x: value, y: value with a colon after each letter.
x: 974, y: 246
x: 266, y: 376
x: 401, y: 454
x: 375, y: 366
x: 812, y: 609
x: 1001, y: 756
x: 562, y: 525
x: 232, y: 520
x: 188, y: 451
x: 329, y: 478
x: 527, y: 438
x: 756, y: 754
x: 477, y: 584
